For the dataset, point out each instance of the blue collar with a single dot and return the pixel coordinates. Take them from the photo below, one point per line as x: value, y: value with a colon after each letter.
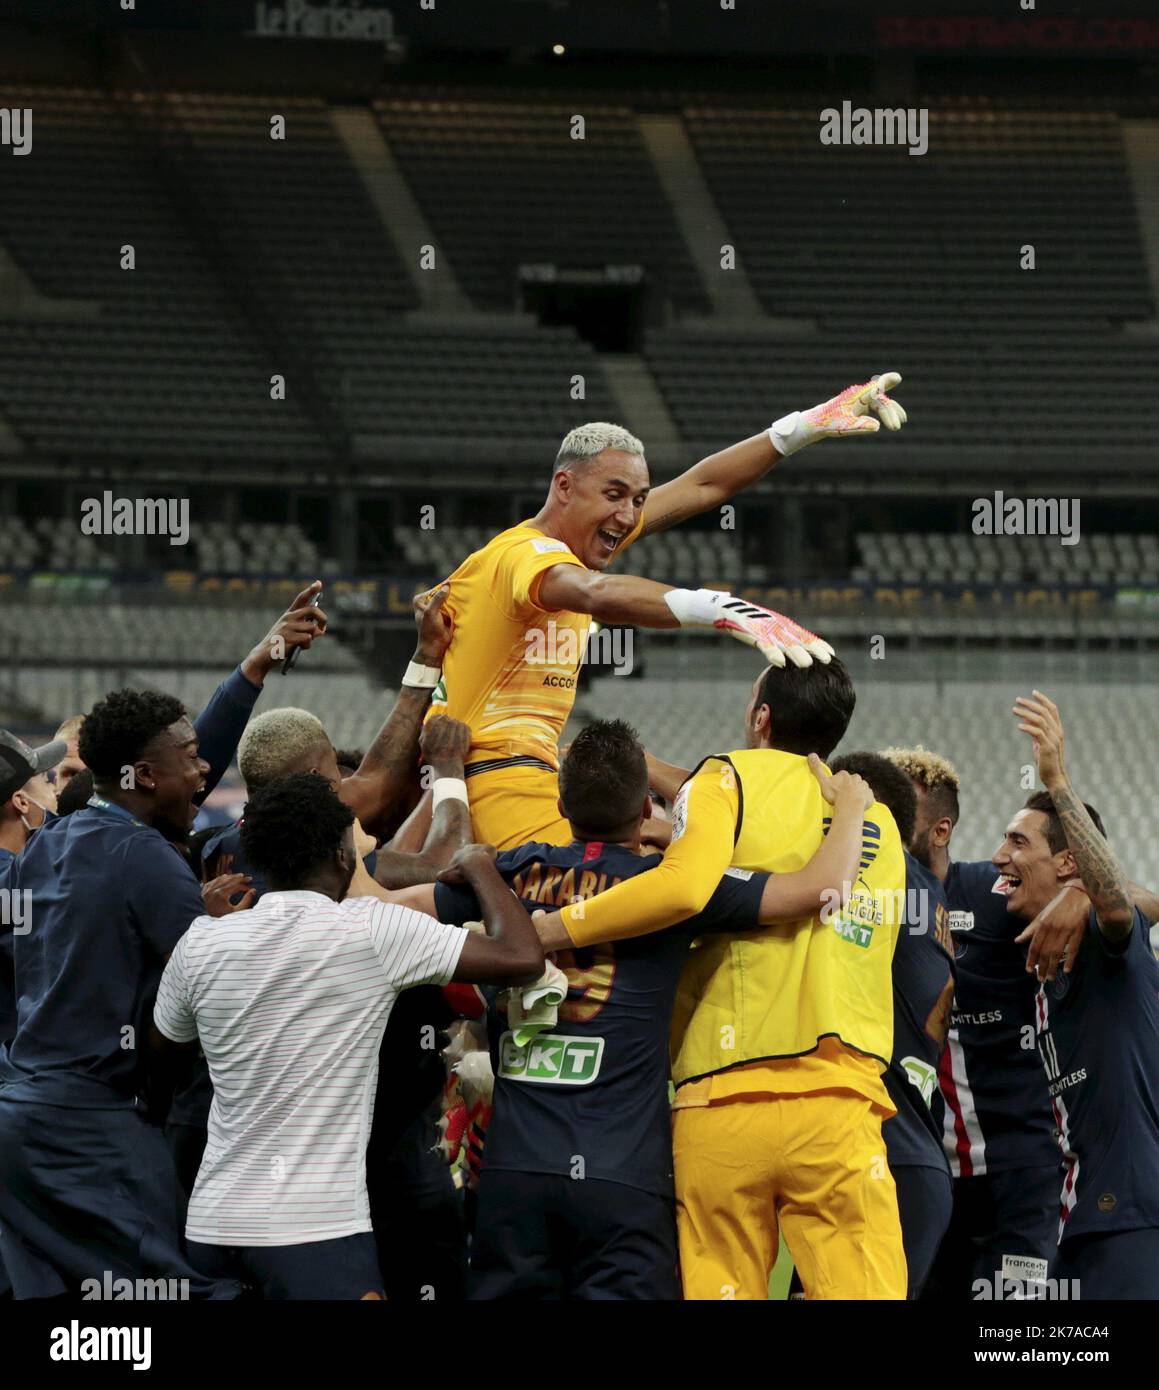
x: 98, y: 803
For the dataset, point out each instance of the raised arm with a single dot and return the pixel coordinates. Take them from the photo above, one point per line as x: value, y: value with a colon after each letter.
x: 222, y: 722
x: 627, y: 598
x: 1102, y: 875
x: 722, y: 475
x: 444, y: 747
x: 376, y: 789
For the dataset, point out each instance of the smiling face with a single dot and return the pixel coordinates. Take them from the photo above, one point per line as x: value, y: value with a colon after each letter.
x: 172, y: 771
x: 1030, y: 873
x: 602, y: 499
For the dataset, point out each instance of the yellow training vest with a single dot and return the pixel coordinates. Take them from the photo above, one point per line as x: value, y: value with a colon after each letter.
x: 776, y: 991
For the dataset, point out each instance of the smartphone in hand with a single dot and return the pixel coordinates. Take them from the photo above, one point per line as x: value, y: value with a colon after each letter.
x: 288, y: 664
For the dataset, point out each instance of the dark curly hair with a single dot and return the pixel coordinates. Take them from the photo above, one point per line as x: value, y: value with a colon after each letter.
x: 122, y: 725
x: 889, y: 785
x: 348, y: 759
x: 292, y: 825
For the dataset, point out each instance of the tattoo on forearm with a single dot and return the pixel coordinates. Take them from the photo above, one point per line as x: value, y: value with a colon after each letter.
x: 396, y: 744
x: 671, y: 516
x: 1101, y: 873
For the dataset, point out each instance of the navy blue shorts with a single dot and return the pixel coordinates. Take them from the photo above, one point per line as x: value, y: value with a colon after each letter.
x: 344, y: 1268
x: 89, y: 1193
x: 925, y: 1201
x: 1011, y: 1213
x: 1120, y: 1264
x: 418, y: 1216
x: 543, y: 1236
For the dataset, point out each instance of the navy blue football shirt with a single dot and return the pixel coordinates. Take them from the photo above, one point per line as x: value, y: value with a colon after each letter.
x: 998, y: 1113
x: 595, y: 1088
x: 923, y: 990
x: 219, y: 727
x: 110, y: 898
x: 1098, y: 1034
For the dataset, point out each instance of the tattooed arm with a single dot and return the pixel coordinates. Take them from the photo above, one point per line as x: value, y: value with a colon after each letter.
x: 1102, y: 875
x: 445, y: 743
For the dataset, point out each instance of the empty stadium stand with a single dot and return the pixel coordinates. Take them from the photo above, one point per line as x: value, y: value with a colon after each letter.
x: 878, y: 257
x: 120, y: 635
x: 965, y: 558
x: 152, y: 362
x: 257, y: 256
x: 504, y: 183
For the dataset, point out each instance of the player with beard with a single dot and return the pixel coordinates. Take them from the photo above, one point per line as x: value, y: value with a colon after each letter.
x: 524, y: 604
x: 87, y: 1188
x: 1097, y: 1028
x: 999, y: 1127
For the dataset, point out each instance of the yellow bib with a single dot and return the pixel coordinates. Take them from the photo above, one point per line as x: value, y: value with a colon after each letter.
x: 775, y: 992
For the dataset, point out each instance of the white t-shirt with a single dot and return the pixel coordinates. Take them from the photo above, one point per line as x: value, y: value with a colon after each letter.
x: 290, y: 1001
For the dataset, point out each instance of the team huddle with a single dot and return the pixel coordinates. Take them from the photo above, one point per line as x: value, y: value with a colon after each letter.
x: 696, y: 1012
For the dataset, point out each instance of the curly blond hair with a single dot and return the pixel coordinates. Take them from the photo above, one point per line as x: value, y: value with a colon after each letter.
x: 937, y: 776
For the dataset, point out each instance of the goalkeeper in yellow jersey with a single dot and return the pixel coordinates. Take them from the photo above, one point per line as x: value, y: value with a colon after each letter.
x: 522, y: 606
x: 780, y: 1036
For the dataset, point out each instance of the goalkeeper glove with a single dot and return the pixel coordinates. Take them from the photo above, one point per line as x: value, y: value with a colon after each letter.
x: 774, y: 635
x: 849, y: 413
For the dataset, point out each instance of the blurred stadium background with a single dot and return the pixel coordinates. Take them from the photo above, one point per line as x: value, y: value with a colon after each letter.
x: 599, y: 259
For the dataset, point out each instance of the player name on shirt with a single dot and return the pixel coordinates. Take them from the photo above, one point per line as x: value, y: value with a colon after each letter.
x: 596, y: 1086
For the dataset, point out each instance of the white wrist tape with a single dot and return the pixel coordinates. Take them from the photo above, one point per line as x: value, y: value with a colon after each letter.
x: 696, y: 607
x: 422, y: 677
x: 448, y: 789
x: 790, y: 433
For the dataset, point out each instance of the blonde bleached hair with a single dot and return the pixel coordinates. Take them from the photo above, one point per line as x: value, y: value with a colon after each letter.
x: 277, y: 743
x: 929, y: 770
x: 70, y: 729
x: 586, y: 441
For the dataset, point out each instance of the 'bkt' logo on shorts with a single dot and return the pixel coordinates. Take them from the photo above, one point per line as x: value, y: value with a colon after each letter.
x: 551, y: 1057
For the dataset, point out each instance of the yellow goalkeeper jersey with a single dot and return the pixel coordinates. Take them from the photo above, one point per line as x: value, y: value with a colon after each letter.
x: 797, y: 997
x: 510, y: 672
